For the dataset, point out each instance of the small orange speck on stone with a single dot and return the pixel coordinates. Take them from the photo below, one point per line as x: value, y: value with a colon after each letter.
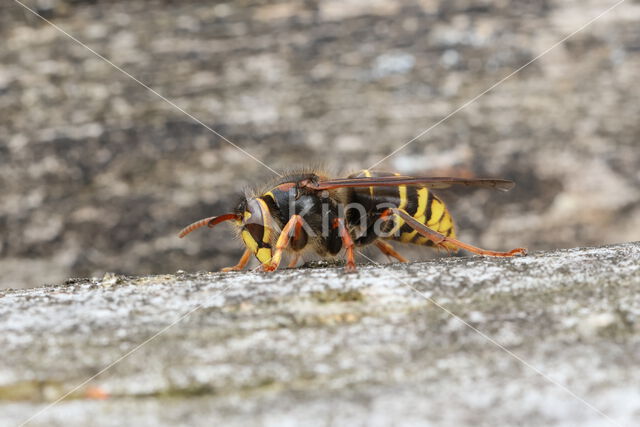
x: 95, y: 392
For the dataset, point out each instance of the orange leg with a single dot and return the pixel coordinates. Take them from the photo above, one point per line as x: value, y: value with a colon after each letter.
x: 388, y: 250
x: 348, y: 244
x: 294, y: 261
x: 240, y: 265
x: 283, y: 241
x: 438, y: 238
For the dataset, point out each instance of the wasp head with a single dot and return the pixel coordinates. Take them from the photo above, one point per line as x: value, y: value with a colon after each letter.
x: 255, y: 227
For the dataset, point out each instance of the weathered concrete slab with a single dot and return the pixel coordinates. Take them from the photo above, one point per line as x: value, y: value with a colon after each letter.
x: 319, y: 347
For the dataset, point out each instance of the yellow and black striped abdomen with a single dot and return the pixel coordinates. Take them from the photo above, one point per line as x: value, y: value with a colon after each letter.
x: 419, y: 202
x: 430, y: 211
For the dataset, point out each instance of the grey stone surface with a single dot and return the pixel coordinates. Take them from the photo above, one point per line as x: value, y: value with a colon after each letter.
x: 317, y: 346
x: 97, y: 174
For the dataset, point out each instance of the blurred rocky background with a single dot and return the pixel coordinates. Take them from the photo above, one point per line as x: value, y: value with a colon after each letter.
x: 98, y: 174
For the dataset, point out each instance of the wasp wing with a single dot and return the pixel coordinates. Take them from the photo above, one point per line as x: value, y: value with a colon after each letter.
x: 419, y: 181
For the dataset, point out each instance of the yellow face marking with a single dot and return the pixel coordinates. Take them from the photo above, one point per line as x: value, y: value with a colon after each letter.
x: 249, y: 241
x: 437, y: 209
x: 264, y: 255
x: 257, y: 247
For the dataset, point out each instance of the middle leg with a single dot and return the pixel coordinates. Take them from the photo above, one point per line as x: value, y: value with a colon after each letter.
x: 347, y: 242
x: 294, y: 260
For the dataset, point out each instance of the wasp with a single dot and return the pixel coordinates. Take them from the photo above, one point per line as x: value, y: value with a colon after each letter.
x: 309, y: 211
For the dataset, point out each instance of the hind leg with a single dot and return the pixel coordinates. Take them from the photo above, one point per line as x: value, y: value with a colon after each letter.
x: 440, y: 239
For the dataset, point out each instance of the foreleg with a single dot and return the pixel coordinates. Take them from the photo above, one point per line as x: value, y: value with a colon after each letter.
x: 283, y: 242
x: 241, y: 264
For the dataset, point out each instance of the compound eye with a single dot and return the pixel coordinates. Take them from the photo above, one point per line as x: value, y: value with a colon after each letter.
x: 254, y: 220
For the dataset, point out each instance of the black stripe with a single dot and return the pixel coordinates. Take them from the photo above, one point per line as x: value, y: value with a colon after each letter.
x: 447, y: 232
x: 427, y: 214
x: 271, y: 203
x: 412, y: 201
x: 406, y: 228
